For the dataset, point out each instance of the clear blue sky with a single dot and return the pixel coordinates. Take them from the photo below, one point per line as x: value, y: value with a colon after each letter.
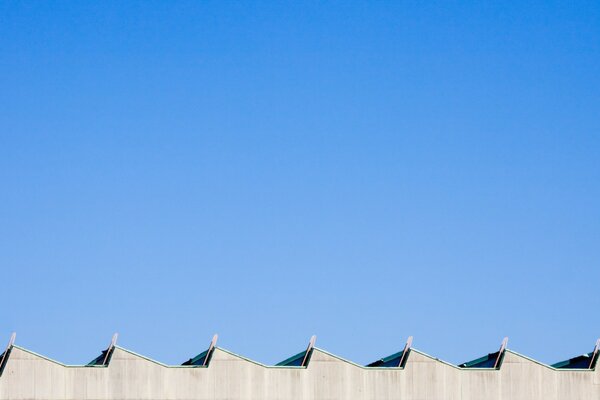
x: 362, y: 171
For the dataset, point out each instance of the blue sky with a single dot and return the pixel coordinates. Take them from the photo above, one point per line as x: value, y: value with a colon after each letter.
x: 362, y: 171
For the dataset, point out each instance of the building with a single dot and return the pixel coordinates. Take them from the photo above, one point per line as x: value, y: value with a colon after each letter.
x: 120, y: 374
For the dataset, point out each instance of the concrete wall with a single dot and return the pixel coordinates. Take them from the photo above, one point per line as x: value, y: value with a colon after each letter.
x: 28, y: 376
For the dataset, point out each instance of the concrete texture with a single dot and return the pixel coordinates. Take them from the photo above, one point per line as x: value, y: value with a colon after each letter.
x: 129, y: 376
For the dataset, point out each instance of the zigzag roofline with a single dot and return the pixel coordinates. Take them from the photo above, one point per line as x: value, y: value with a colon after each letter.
x: 550, y: 367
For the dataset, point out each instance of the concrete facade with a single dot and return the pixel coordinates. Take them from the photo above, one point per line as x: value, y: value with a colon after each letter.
x: 129, y: 376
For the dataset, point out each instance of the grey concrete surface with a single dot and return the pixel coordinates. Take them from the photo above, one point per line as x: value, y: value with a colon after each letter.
x: 129, y: 376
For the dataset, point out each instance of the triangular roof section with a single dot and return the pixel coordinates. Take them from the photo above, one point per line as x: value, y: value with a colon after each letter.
x: 301, y: 359
x: 396, y: 360
x: 203, y: 359
x: 6, y: 353
x: 492, y: 360
x: 104, y: 358
x: 584, y: 361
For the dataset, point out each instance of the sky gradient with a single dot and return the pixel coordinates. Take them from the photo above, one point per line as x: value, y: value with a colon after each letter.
x: 362, y: 171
